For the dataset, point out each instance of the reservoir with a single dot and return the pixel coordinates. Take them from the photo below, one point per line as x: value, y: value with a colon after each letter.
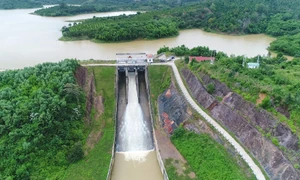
x: 27, y: 40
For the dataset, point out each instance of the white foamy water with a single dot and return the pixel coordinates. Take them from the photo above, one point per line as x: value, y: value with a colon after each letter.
x: 134, y: 136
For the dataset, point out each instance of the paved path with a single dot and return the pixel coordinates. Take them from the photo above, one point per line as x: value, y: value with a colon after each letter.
x: 255, y: 169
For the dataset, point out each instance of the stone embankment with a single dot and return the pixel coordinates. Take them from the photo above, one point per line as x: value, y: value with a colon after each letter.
x: 244, y: 119
x: 256, y: 170
x: 174, y: 111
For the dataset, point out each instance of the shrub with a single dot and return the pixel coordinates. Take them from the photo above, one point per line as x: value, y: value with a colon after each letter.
x: 186, y: 59
x: 210, y: 88
x: 266, y: 103
x: 76, y: 153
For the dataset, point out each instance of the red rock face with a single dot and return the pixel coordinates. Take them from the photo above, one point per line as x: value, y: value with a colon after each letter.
x: 168, y: 123
x: 168, y: 93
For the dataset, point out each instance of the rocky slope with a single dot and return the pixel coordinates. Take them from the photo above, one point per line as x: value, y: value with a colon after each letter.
x: 249, y: 124
x: 87, y: 82
x: 174, y: 111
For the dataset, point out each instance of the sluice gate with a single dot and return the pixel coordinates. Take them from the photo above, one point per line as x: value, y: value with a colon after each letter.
x: 135, y: 153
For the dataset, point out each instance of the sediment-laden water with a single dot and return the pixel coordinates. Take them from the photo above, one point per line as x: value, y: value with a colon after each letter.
x: 27, y: 40
x: 135, y: 156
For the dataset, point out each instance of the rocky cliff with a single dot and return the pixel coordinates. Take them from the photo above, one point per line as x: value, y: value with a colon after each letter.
x: 87, y: 82
x: 249, y: 124
x: 174, y: 110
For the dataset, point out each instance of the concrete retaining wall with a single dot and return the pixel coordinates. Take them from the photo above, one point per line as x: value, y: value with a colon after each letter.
x: 159, y: 158
x: 108, y: 177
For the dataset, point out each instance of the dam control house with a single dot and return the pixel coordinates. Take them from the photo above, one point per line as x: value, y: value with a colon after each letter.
x: 129, y: 62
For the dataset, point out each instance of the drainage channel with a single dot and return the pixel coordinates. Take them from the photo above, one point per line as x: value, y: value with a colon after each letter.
x: 135, y: 157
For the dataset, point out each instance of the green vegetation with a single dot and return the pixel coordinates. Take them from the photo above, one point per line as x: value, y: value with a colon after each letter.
x: 95, y: 165
x: 23, y: 4
x: 42, y: 133
x: 15, y: 4
x: 289, y: 45
x: 41, y: 123
x: 207, y: 158
x: 280, y: 18
x: 67, y: 10
x: 109, y: 5
x: 210, y: 88
x: 171, y: 164
x: 122, y: 28
x: 160, y: 78
x: 276, y: 77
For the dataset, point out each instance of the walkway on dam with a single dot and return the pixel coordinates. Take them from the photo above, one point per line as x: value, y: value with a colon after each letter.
x: 255, y: 169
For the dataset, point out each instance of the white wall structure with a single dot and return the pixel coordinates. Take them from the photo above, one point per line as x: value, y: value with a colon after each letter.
x: 131, y: 58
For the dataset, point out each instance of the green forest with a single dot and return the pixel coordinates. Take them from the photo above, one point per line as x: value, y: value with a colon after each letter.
x: 43, y: 134
x: 66, y: 10
x: 41, y: 127
x: 63, y: 9
x: 276, y: 18
x: 17, y: 4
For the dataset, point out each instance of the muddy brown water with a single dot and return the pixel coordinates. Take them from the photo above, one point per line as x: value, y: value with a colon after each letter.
x: 146, y: 168
x: 27, y: 40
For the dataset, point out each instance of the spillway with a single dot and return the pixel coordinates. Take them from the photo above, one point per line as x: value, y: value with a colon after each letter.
x: 135, y: 156
x: 134, y: 134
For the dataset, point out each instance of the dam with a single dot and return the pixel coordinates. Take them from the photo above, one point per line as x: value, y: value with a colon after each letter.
x: 135, y: 156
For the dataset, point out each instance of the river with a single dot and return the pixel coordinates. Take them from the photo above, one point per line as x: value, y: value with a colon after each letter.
x: 27, y: 40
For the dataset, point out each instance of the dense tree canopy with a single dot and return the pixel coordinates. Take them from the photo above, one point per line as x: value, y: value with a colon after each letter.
x: 15, y: 4
x: 289, y: 45
x: 40, y: 120
x: 65, y: 10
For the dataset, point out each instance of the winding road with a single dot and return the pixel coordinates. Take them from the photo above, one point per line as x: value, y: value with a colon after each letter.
x: 255, y: 169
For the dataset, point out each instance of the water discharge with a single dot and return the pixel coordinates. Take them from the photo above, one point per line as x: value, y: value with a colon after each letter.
x: 134, y: 134
x: 135, y: 157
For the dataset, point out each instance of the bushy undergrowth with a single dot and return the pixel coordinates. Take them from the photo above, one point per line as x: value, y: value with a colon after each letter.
x: 207, y: 158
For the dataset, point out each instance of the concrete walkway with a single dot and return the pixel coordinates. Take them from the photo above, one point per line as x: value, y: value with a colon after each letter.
x: 255, y: 169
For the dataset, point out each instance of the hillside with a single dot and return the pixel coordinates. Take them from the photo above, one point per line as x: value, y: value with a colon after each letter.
x: 49, y: 123
x: 41, y: 125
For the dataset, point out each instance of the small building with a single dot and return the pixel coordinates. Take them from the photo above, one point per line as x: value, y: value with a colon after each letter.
x: 131, y: 61
x: 202, y: 58
x: 150, y: 58
x: 252, y: 65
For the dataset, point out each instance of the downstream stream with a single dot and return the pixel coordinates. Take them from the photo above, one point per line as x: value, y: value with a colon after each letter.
x: 27, y: 40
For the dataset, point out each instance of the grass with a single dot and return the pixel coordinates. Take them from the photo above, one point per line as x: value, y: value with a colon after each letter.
x: 170, y: 165
x: 160, y: 80
x: 93, y: 61
x: 207, y: 158
x: 96, y: 164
